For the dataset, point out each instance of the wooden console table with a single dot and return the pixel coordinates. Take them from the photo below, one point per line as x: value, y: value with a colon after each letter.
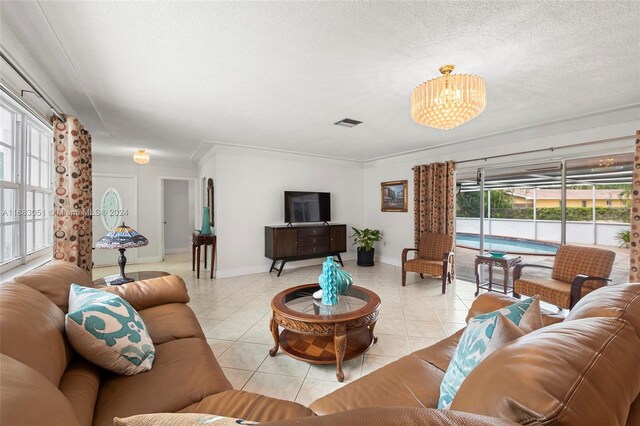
x: 506, y: 263
x: 289, y: 243
x: 203, y: 240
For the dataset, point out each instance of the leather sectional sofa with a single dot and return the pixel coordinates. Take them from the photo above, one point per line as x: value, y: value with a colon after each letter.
x: 583, y: 370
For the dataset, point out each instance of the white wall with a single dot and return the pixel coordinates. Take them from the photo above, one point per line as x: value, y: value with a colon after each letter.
x: 249, y: 194
x: 178, y: 215
x: 149, y: 197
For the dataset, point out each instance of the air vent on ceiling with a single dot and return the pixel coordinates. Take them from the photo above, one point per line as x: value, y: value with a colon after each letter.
x: 347, y: 122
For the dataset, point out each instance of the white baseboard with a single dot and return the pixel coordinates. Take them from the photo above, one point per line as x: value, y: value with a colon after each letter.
x: 177, y: 250
x: 395, y: 261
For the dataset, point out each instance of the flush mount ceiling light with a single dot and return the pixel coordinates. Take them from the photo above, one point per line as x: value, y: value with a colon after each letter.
x: 448, y: 101
x: 141, y: 156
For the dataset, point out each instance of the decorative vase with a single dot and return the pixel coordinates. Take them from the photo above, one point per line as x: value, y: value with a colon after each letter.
x: 333, y: 282
x: 206, y: 224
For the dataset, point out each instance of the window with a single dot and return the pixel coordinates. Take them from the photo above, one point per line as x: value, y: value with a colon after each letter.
x: 26, y: 181
x: 584, y: 203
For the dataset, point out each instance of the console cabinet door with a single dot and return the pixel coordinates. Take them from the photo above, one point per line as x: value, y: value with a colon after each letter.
x: 285, y: 242
x: 339, y: 238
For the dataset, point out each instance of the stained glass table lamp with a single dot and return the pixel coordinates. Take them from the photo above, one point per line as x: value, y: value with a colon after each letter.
x: 122, y: 238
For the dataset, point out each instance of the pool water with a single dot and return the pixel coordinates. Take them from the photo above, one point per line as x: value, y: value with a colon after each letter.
x: 506, y: 244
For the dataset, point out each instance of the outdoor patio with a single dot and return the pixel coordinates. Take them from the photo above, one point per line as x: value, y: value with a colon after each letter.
x: 465, y: 259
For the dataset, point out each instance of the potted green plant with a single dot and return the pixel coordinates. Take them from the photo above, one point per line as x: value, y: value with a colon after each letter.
x: 624, y: 238
x: 364, y: 239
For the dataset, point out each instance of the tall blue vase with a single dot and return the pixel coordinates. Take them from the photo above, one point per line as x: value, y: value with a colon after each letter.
x: 333, y: 282
x: 206, y: 222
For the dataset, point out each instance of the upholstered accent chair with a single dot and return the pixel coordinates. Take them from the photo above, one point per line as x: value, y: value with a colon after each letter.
x: 576, y: 272
x: 434, y: 256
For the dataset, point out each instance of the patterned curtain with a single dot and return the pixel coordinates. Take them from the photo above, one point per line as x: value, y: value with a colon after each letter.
x: 634, y: 255
x: 434, y: 199
x: 73, y: 201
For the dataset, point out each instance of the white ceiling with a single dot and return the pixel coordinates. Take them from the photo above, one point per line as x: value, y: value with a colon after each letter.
x: 168, y: 75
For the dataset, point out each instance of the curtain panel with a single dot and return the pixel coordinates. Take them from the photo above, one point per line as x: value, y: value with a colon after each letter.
x: 634, y: 244
x: 73, y: 202
x: 434, y: 199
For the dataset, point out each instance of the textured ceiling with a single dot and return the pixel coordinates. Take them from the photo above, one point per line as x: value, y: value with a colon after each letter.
x: 167, y: 76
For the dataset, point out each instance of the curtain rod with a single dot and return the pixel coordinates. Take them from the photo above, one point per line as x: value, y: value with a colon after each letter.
x: 55, y: 109
x: 550, y: 149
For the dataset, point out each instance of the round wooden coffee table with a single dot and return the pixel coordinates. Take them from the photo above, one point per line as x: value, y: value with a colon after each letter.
x: 321, y: 334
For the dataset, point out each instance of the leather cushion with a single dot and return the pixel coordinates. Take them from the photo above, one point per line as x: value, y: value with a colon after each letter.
x: 170, y: 322
x: 249, y: 406
x: 54, y: 280
x: 149, y: 293
x: 32, y: 330
x: 617, y: 301
x: 397, y: 416
x: 440, y: 353
x: 28, y: 398
x: 80, y: 384
x: 559, y: 375
x: 184, y: 372
x: 409, y: 382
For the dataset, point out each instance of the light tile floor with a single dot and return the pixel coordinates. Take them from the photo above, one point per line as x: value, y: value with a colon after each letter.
x: 234, y: 314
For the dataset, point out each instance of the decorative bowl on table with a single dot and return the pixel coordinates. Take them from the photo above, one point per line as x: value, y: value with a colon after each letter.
x: 497, y: 254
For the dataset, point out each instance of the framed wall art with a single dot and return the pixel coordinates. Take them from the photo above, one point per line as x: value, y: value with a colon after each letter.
x: 394, y: 196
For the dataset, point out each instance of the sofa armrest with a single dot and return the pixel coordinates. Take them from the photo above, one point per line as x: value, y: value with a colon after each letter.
x: 489, y: 302
x: 492, y: 301
x: 249, y: 406
x: 153, y: 292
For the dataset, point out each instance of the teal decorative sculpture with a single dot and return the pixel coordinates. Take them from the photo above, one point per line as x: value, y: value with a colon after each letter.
x: 333, y: 282
x: 206, y: 224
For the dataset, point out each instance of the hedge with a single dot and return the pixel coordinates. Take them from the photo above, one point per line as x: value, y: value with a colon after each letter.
x: 574, y: 214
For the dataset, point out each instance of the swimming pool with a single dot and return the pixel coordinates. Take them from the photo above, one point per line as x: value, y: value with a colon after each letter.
x: 507, y: 244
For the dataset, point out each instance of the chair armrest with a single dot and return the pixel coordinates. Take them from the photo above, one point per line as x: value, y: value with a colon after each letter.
x: 576, y: 287
x: 405, y: 252
x: 153, y: 292
x: 517, y: 270
x: 447, y: 256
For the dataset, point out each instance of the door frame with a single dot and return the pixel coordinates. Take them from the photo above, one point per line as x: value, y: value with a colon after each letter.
x: 192, y: 182
x: 132, y: 255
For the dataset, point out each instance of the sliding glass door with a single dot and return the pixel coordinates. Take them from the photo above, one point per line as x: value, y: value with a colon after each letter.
x: 531, y: 209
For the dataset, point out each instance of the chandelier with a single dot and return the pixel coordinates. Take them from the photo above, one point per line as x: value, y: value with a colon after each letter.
x: 141, y: 156
x: 448, y: 101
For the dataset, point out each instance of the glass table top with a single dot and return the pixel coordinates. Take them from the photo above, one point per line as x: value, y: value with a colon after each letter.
x: 302, y: 301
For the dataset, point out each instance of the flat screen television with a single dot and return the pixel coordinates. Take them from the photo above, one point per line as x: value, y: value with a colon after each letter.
x: 307, y: 207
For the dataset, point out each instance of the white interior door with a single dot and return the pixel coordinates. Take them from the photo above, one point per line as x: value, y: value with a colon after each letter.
x: 114, y: 196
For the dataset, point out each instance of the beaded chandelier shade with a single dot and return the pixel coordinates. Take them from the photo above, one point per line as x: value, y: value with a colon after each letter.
x: 141, y: 156
x: 448, y: 101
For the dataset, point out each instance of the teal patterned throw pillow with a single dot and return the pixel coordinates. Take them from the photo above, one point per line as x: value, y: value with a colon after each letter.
x: 485, y: 334
x: 106, y: 330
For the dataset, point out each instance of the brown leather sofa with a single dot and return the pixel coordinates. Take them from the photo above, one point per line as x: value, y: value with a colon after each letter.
x: 43, y: 382
x: 583, y: 370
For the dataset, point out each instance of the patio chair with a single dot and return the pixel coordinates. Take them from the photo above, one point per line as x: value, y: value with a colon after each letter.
x: 434, y: 257
x: 576, y: 271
